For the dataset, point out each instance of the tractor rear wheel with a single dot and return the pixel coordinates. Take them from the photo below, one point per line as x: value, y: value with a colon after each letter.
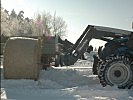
x: 118, y: 71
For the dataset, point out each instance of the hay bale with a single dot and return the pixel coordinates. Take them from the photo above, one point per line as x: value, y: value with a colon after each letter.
x: 22, y: 58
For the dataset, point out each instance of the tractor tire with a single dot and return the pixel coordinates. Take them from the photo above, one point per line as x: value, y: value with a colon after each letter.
x: 116, y: 71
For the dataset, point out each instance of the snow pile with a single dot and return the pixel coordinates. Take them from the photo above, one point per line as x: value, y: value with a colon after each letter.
x: 62, y: 78
x: 64, y: 83
x: 82, y: 63
x: 3, y: 94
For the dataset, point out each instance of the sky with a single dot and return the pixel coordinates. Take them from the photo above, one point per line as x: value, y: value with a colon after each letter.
x: 79, y: 13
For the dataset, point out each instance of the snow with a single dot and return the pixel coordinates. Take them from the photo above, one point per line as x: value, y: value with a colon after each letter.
x: 63, y: 83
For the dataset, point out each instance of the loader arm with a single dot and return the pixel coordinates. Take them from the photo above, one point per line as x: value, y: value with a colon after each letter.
x: 82, y: 43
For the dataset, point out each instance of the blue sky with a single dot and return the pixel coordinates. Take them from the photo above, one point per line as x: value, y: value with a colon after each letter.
x: 79, y: 13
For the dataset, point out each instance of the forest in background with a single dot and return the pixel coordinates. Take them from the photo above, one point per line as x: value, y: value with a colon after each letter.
x: 13, y: 24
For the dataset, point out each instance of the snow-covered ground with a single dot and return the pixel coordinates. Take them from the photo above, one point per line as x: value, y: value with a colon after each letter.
x: 63, y: 83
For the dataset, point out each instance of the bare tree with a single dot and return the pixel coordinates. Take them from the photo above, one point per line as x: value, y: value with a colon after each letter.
x: 50, y: 25
x: 59, y: 26
x: 37, y: 26
x: 46, y: 23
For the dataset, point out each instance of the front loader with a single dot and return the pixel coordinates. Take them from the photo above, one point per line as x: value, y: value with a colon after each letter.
x: 114, y: 62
